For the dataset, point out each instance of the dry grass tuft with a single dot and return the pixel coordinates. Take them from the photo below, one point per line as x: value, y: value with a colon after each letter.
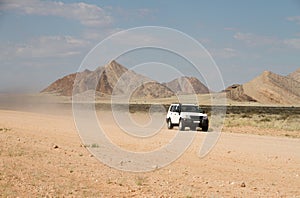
x: 283, y: 124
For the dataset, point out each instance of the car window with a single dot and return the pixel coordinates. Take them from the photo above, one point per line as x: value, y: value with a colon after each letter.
x: 172, y: 108
x: 190, y: 108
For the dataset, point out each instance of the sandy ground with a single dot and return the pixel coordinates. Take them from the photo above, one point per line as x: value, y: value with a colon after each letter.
x: 41, y: 155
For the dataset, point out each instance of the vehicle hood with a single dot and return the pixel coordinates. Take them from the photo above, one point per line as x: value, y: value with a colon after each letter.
x: 193, y: 114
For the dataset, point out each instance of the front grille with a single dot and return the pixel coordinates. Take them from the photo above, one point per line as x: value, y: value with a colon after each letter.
x: 196, y: 117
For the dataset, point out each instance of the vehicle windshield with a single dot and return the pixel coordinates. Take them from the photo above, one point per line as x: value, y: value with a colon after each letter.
x: 191, y: 108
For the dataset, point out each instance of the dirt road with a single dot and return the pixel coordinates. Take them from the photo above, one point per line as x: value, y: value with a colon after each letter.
x: 42, y: 155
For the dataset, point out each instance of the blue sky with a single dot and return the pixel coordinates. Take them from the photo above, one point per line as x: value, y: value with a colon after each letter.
x: 45, y: 40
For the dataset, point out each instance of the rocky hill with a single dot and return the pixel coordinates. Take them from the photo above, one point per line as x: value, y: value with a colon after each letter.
x: 112, y: 79
x: 64, y: 86
x: 295, y: 75
x: 187, y: 85
x: 152, y: 90
x: 269, y: 88
x: 236, y: 92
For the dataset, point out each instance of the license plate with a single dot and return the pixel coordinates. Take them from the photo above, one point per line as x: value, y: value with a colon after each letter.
x: 197, y: 122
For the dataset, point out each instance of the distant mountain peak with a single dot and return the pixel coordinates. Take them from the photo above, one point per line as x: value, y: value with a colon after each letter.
x: 114, y: 65
x: 87, y: 71
x: 295, y: 75
x: 266, y: 73
x: 187, y: 85
x: 268, y: 88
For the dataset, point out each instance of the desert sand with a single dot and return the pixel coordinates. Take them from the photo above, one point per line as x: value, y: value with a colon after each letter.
x: 42, y: 156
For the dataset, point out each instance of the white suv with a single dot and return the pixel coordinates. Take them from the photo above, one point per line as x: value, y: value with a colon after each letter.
x: 186, y: 115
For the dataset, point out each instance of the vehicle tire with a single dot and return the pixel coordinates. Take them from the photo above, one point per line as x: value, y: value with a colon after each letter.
x: 205, y: 128
x: 181, y: 125
x: 193, y: 128
x: 169, y: 123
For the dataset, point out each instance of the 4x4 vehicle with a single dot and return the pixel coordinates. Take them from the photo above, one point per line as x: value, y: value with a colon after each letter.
x: 186, y: 115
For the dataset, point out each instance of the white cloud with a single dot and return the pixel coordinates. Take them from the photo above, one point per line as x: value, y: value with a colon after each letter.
x: 87, y: 14
x: 294, y: 19
x: 294, y: 43
x: 129, y: 14
x: 255, y: 40
x: 224, y: 53
x: 44, y: 47
x: 93, y: 34
x: 136, y: 37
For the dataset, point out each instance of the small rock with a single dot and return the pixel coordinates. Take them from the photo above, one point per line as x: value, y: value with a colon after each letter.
x: 55, y: 146
x: 243, y: 185
x: 91, y: 155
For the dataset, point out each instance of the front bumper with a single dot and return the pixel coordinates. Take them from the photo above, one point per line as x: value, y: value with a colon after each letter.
x: 199, y: 123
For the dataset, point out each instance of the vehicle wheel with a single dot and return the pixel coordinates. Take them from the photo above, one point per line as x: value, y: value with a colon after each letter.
x: 205, y: 128
x: 193, y: 128
x: 181, y: 126
x: 170, y: 125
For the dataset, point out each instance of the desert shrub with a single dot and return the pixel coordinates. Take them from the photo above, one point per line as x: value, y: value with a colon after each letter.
x: 246, y: 116
x: 140, y: 180
x: 95, y: 145
x: 4, y: 129
x: 265, y: 120
x: 283, y: 117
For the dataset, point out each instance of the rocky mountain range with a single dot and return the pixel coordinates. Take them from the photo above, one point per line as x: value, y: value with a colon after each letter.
x: 268, y: 88
x: 115, y: 79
